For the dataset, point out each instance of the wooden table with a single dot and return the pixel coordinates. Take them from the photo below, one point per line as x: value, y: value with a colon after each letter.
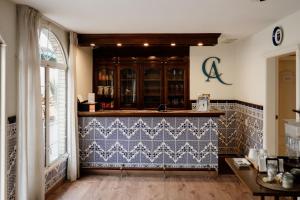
x: 248, y: 177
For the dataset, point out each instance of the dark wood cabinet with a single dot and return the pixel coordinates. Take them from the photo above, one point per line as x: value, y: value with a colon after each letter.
x: 176, y: 84
x: 142, y: 83
x: 105, y: 84
x: 152, y: 85
x: 128, y: 93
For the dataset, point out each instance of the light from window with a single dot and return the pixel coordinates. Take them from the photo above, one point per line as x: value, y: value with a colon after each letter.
x: 53, y: 90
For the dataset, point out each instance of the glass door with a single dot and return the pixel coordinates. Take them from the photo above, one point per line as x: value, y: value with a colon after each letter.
x: 128, y: 87
x: 175, y: 86
x: 105, y: 86
x: 152, y: 90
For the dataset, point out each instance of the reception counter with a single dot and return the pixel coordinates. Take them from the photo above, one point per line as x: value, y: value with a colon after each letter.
x: 181, y: 139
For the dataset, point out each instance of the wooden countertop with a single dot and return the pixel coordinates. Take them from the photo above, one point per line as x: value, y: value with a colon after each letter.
x: 151, y: 113
x: 248, y: 177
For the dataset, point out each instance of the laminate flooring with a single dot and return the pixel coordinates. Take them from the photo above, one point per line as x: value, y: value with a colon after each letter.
x: 132, y: 187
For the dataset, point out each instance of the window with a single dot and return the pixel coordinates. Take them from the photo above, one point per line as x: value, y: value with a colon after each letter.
x: 53, y: 90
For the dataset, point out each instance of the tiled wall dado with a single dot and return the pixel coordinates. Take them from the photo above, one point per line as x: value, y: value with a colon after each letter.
x: 240, y: 128
x: 53, y: 174
x: 11, y: 157
x: 171, y: 142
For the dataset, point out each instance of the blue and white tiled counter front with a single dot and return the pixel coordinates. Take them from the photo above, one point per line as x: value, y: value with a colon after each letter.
x: 148, y: 142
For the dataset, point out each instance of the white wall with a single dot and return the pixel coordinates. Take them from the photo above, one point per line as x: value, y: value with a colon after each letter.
x: 8, y: 33
x: 198, y: 83
x: 243, y: 63
x: 255, y: 71
x: 84, y: 71
x: 251, y: 58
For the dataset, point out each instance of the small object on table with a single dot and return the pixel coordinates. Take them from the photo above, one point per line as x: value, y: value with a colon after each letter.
x: 287, y: 180
x: 253, y: 162
x: 241, y: 163
x: 261, y: 160
x: 162, y: 108
x: 253, y: 153
x: 194, y: 106
x: 272, y: 168
x: 91, y: 97
x: 89, y: 107
x: 203, y: 103
x: 92, y: 108
x: 296, y: 173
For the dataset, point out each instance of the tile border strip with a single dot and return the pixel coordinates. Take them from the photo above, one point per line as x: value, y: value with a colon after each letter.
x: 252, y: 105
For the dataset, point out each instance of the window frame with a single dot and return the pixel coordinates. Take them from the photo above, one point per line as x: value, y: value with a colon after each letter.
x: 47, y: 65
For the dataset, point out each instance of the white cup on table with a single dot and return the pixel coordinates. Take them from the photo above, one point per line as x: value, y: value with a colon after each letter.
x: 253, y: 154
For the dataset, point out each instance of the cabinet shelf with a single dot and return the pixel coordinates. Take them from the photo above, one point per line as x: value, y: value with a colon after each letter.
x: 175, y: 95
x: 100, y: 81
x: 177, y: 80
x: 150, y: 80
x: 128, y: 79
x: 152, y: 95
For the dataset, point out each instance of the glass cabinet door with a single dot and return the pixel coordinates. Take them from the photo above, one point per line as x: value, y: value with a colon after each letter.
x: 175, y: 87
x: 152, y: 89
x: 105, y: 86
x: 128, y: 88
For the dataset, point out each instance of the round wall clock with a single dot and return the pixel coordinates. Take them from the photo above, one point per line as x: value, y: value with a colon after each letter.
x: 277, y: 36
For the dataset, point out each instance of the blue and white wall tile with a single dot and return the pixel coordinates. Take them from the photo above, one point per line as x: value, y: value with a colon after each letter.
x: 12, y: 157
x: 148, y: 142
x: 55, y: 173
x: 240, y: 128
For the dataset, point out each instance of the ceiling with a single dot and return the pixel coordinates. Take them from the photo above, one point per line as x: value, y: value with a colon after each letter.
x: 233, y: 18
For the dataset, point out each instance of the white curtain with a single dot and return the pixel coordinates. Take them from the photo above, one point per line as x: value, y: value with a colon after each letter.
x: 73, y: 161
x: 31, y: 151
x: 3, y: 146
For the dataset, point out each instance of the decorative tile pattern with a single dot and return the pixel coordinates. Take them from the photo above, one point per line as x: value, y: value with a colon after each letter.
x: 249, y: 128
x: 227, y: 128
x: 11, y: 163
x: 55, y: 173
x: 240, y: 128
x: 155, y: 142
x: 148, y: 142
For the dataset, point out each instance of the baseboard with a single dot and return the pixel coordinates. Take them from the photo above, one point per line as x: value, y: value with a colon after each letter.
x: 147, y: 172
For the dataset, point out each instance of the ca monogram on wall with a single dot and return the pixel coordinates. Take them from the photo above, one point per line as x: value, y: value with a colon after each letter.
x: 213, y: 70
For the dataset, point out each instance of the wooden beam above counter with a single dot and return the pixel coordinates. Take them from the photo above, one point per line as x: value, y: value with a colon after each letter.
x: 152, y: 39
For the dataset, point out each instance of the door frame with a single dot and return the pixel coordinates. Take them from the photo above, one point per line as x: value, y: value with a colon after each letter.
x: 270, y: 137
x: 3, y: 139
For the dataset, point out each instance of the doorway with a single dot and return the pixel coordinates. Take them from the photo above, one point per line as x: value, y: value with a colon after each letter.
x: 286, y: 96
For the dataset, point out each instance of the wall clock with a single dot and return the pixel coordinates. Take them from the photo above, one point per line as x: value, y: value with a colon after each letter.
x: 277, y: 36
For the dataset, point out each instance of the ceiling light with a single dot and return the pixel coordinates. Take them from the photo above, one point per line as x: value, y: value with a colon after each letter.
x: 92, y: 44
x: 146, y: 44
x: 173, y: 44
x: 152, y: 57
x: 200, y: 44
x: 119, y: 44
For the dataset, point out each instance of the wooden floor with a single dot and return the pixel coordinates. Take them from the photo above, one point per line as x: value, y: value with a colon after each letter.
x: 132, y: 187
